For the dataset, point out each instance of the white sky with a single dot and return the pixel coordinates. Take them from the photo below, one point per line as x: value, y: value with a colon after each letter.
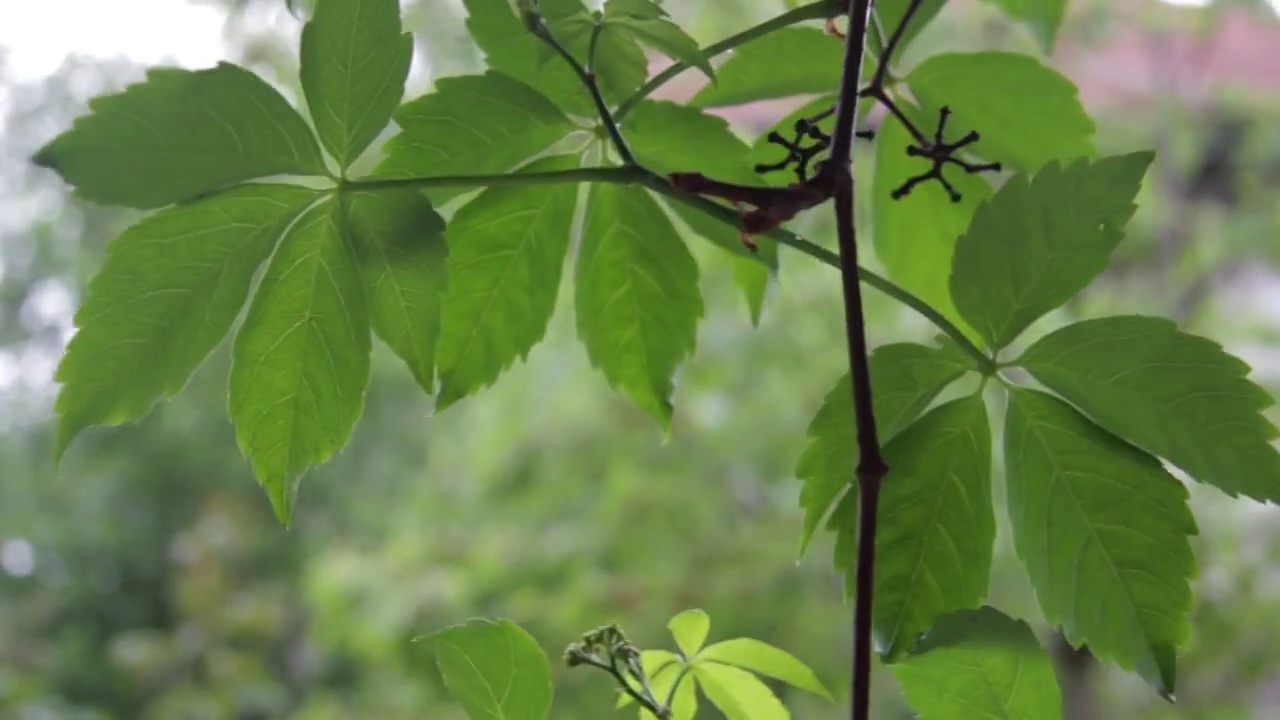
x: 37, y: 35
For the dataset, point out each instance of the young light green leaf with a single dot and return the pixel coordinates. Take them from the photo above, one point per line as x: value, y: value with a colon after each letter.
x: 1042, y: 17
x: 300, y: 362
x: 890, y: 14
x: 399, y: 240
x: 915, y: 236
x: 471, y: 124
x: 654, y: 661
x: 509, y: 47
x: 1102, y: 529
x: 649, y: 24
x: 738, y: 694
x: 1174, y: 395
x: 168, y: 292
x: 791, y: 61
x: 684, y: 703
x: 690, y: 629
x: 495, y: 670
x: 937, y: 527
x: 507, y: 251
x: 765, y: 659
x: 637, y: 296
x: 181, y: 134
x: 654, y: 664
x: 1050, y: 235
x: 906, y: 378
x: 1027, y: 114
x: 980, y: 663
x: 354, y: 64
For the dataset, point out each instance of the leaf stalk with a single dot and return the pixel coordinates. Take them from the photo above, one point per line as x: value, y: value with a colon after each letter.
x: 586, y: 75
x: 813, y: 11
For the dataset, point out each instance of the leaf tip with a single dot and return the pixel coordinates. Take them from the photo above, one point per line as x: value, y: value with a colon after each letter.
x: 65, y: 436
x: 282, y: 497
x: 46, y: 157
x: 448, y: 395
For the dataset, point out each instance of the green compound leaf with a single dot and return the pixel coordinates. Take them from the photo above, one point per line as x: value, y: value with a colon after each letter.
x: 181, y: 134
x: 637, y: 296
x: 738, y: 694
x: 495, y: 670
x: 1049, y: 236
x: 1102, y: 529
x: 471, y: 124
x: 690, y: 629
x: 1027, y: 114
x: 915, y: 236
x: 399, y: 240
x: 667, y: 137
x: 980, y: 663
x: 168, y: 292
x: 300, y: 362
x: 764, y: 659
x: 649, y: 24
x: 354, y: 64
x: 937, y: 527
x: 905, y: 378
x: 507, y: 250
x: 1042, y: 18
x: 751, y: 271
x: 509, y: 47
x: 791, y: 61
x: 1174, y: 395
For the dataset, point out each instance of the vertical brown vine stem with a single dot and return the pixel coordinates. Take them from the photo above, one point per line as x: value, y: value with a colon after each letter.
x: 871, y: 466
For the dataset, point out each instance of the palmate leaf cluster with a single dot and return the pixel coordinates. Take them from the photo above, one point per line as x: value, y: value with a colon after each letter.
x: 257, y: 220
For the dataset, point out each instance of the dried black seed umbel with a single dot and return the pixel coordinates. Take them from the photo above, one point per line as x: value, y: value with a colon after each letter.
x: 941, y: 153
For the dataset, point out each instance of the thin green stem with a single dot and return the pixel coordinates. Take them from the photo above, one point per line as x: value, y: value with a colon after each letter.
x: 591, y: 47
x: 646, y: 700
x: 588, y: 79
x: 671, y: 695
x: 813, y: 11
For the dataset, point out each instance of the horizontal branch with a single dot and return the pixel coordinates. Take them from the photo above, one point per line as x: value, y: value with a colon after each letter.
x: 634, y: 175
x: 613, y: 175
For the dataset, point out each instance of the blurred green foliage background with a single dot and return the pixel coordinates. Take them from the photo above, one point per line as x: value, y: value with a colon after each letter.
x: 146, y: 577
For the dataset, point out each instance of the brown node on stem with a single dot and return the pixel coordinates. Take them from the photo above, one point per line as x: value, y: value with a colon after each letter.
x: 760, y: 208
x: 832, y: 29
